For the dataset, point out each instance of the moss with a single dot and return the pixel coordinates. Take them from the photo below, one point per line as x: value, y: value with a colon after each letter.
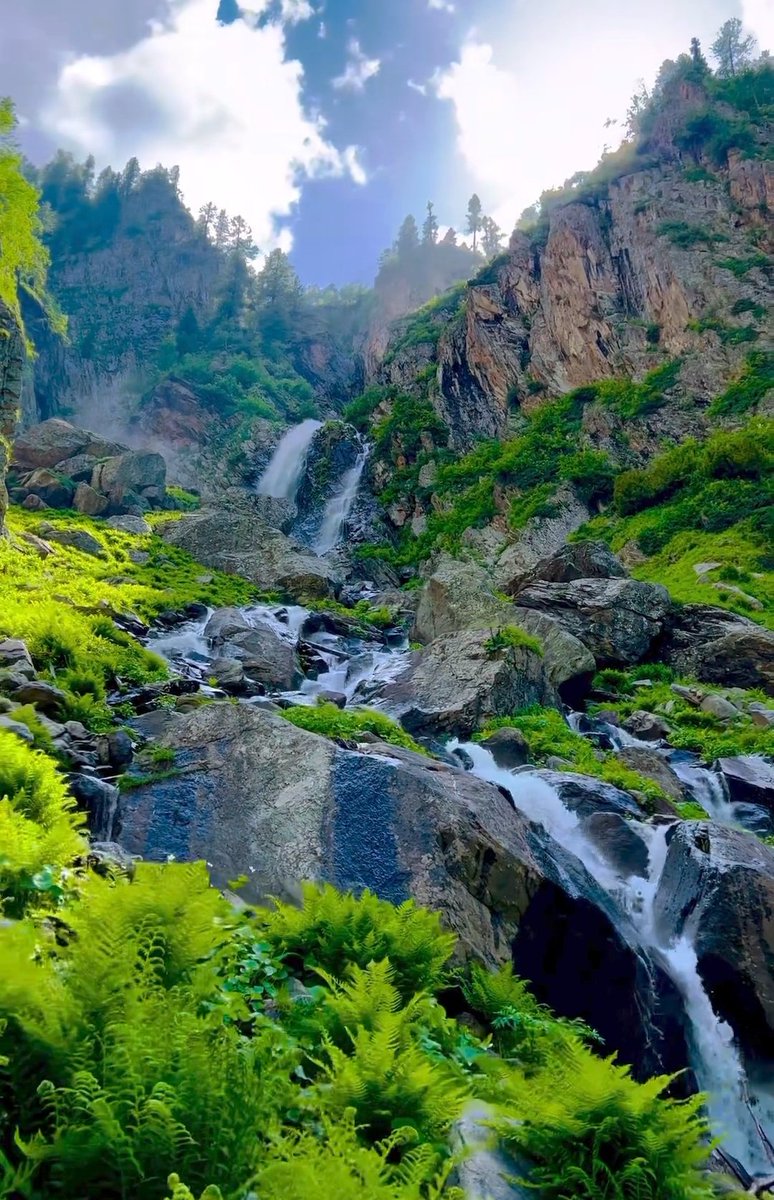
x: 348, y: 723
x: 185, y: 500
x: 512, y: 637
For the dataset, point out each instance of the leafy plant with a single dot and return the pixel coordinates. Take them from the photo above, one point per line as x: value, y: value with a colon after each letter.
x: 512, y: 637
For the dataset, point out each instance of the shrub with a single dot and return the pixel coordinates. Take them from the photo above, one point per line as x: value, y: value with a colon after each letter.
x: 330, y: 721
x: 741, y: 266
x: 592, y: 472
x: 512, y: 637
x: 751, y: 385
x: 686, y: 236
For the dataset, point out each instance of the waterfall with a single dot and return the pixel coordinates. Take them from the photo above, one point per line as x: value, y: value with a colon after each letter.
x: 283, y: 474
x: 715, y: 1058
x: 340, y: 504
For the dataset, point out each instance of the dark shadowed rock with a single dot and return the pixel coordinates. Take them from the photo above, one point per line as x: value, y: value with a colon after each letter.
x: 584, y: 795
x: 49, y: 699
x: 719, y: 883
x: 455, y: 683
x: 102, y: 803
x: 646, y: 725
x: 719, y: 647
x: 508, y: 748
x: 257, y: 797
x: 578, y: 560
x: 617, y: 619
x: 56, y: 491
x: 620, y: 844
x: 750, y: 779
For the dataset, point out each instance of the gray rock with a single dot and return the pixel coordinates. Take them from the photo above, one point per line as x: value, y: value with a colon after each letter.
x: 719, y: 883
x: 78, y: 539
x: 653, y: 766
x: 568, y: 664
x: 17, y: 727
x: 761, y: 716
x: 127, y: 523
x: 585, y: 795
x: 225, y: 622
x: 617, y: 619
x: 485, y: 1170
x: 456, y: 596
x: 120, y: 749
x: 15, y: 655
x: 49, y: 443
x: 240, y: 544
x: 228, y: 673
x: 455, y: 684
x: 337, y: 698
x: 540, y: 538
x: 266, y: 658
x: 750, y: 779
x: 102, y: 803
x: 719, y: 647
x: 107, y: 858
x: 258, y: 797
x: 133, y: 472
x: 646, y: 725
x: 716, y: 706
x: 41, y: 548
x: 47, y: 698
x: 80, y: 468
x: 508, y: 748
x: 619, y: 842
x: 87, y: 501
x: 578, y: 560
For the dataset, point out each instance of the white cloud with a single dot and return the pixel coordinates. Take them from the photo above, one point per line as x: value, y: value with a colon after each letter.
x: 293, y: 11
x: 758, y: 18
x: 441, y: 5
x: 221, y: 101
x: 417, y: 87
x: 355, y: 168
x: 359, y: 68
x: 526, y: 121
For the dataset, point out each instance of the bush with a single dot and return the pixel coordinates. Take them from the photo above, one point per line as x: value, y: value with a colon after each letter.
x: 330, y: 721
x: 749, y: 388
x: 687, y: 236
x: 512, y: 637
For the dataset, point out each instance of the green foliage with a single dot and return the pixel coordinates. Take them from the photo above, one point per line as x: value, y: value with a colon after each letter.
x: 360, y: 410
x: 630, y: 399
x: 512, y: 637
x: 548, y: 735
x: 185, y: 501
x: 40, y: 831
x: 687, y: 236
x: 333, y: 932
x: 330, y: 721
x: 751, y: 385
x: 23, y: 257
x: 741, y: 266
x: 425, y: 325
x: 592, y: 472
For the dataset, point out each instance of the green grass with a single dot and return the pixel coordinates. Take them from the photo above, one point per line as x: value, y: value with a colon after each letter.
x: 511, y: 637
x: 348, y: 723
x: 687, y: 236
x: 742, y: 266
x: 755, y: 379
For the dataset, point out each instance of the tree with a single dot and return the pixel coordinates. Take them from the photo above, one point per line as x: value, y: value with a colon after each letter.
x: 189, y: 335
x: 207, y: 214
x: 474, y: 217
x: 130, y: 176
x: 222, y: 229
x: 23, y: 257
x: 279, y: 293
x: 732, y: 50
x: 241, y: 237
x: 408, y: 238
x: 430, y: 227
x: 450, y: 237
x: 491, y: 237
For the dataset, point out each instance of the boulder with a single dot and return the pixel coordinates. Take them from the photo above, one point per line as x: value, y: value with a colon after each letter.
x: 34, y: 503
x: 653, y: 766
x: 718, y: 707
x: 718, y: 886
x: 240, y: 544
x: 49, y: 443
x: 49, y: 699
x: 53, y: 489
x: 646, y: 725
x: 618, y: 842
x: 456, y: 596
x: 126, y: 523
x: 78, y: 539
x: 133, y: 472
x: 508, y: 748
x: 101, y: 801
x: 8, y: 725
x: 578, y: 560
x: 80, y: 468
x: 456, y: 683
x: 228, y: 673
x: 761, y: 716
x: 568, y: 664
x: 485, y: 1170
x: 87, y: 501
x: 719, y: 647
x: 750, y: 779
x: 258, y: 798
x: 225, y: 622
x: 584, y: 794
x: 541, y: 537
x: 265, y: 657
x: 616, y: 619
x: 15, y: 656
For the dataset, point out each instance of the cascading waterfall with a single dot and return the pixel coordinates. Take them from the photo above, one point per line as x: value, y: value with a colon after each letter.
x: 283, y: 474
x: 716, y: 1061
x: 340, y: 504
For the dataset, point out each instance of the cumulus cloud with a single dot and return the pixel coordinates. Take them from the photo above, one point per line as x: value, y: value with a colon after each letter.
x: 296, y: 10
x: 359, y: 69
x: 220, y: 101
x: 441, y: 5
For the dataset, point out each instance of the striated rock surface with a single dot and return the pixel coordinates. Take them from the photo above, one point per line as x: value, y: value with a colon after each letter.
x: 11, y: 366
x: 719, y: 647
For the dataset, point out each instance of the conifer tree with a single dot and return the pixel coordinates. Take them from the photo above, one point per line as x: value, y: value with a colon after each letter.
x: 731, y: 49
x: 430, y: 227
x: 474, y: 217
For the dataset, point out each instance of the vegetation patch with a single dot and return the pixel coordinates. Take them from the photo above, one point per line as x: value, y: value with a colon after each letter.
x: 688, y: 236
x: 512, y: 637
x: 751, y: 385
x: 348, y: 723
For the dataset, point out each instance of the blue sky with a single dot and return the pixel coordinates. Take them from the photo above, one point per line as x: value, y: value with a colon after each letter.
x: 325, y: 121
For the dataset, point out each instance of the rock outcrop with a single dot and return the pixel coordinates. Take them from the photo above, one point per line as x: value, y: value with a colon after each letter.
x: 11, y: 366
x: 258, y: 798
x: 719, y: 647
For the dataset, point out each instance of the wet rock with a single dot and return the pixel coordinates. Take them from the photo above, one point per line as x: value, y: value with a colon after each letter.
x: 585, y: 795
x: 619, y: 842
x: 718, y: 884
x: 240, y: 544
x: 750, y: 779
x: 51, y: 488
x: 228, y: 673
x: 508, y: 748
x: 719, y: 647
x: 617, y: 619
x: 456, y: 683
x: 337, y: 698
x: 89, y: 502
x: 127, y: 523
x: 78, y: 539
x: 258, y: 797
x: 265, y: 657
x: 224, y: 623
x: 578, y: 560
x: 653, y: 766
x: 47, y: 698
x: 646, y: 725
x: 120, y: 749
x: 485, y: 1170
x: 101, y: 801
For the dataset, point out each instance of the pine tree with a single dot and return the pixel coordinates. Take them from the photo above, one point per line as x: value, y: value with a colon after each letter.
x: 279, y: 294
x: 474, y: 217
x: 130, y: 176
x: 408, y: 238
x: 241, y: 237
x: 491, y: 237
x: 430, y: 227
x: 189, y: 335
x: 222, y: 230
x: 207, y: 214
x: 731, y: 49
x: 450, y: 237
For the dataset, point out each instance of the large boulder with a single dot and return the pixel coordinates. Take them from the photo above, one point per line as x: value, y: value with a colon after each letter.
x: 49, y: 443
x: 568, y: 664
x: 585, y: 795
x: 239, y: 543
x: 750, y: 779
x: 266, y: 658
x: 256, y: 797
x: 458, y: 681
x: 718, y: 887
x: 53, y: 489
x: 541, y: 537
x: 458, y: 595
x: 616, y: 619
x: 578, y: 560
x: 130, y: 474
x: 719, y: 647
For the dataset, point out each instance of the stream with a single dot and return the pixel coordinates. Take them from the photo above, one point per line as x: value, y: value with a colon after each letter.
x: 356, y: 669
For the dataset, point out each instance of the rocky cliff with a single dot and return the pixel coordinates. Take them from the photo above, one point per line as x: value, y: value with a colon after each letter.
x: 11, y: 367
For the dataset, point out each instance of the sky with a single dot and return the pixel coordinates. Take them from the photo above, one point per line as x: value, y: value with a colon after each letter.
x: 324, y: 122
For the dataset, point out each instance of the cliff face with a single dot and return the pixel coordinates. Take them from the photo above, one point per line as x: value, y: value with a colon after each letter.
x: 11, y: 367
x: 665, y: 265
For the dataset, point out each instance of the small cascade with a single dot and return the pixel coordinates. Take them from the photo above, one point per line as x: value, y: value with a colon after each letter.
x: 340, y: 504
x: 734, y: 1111
x: 283, y: 474
x: 708, y: 788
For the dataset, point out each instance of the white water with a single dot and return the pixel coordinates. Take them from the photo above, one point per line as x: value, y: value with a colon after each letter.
x: 283, y: 474
x: 340, y: 504
x: 716, y: 1061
